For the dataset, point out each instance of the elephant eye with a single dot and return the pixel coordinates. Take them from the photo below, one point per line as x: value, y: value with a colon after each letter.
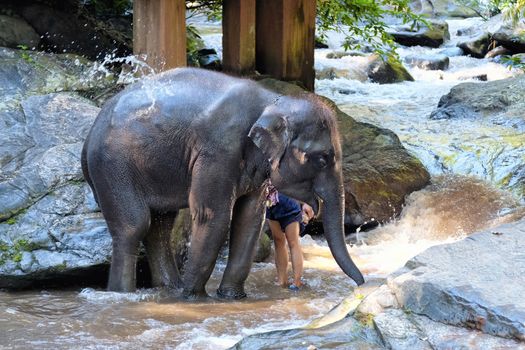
x: 321, y: 159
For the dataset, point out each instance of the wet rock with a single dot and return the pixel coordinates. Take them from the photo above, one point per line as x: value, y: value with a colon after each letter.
x: 358, y: 66
x: 441, y: 336
x: 15, y: 32
x: 497, y: 51
x: 428, y: 62
x: 378, y: 171
x: 386, y: 71
x: 345, y: 334
x: 511, y: 37
x: 432, y: 36
x: 473, y: 99
x: 379, y: 300
x: 498, y: 105
x: 341, y: 54
x: 320, y: 44
x: 66, y: 28
x: 24, y: 72
x: 476, y: 47
x: 209, y: 59
x: 398, y: 332
x: 450, y: 283
x: 442, y: 8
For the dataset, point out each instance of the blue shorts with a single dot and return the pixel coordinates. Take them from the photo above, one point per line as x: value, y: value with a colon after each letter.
x: 285, y: 212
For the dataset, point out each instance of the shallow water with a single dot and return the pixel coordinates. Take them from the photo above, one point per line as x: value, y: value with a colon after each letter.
x: 452, y: 207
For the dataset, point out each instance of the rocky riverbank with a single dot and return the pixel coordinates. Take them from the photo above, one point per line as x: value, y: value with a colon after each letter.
x: 460, y: 295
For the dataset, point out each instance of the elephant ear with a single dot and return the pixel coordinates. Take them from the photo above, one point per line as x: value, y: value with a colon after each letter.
x: 270, y: 134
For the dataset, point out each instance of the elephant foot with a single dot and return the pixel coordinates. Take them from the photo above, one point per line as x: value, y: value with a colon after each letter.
x: 192, y: 295
x: 231, y: 294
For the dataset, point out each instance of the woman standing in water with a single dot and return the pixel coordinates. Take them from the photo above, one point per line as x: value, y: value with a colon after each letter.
x: 287, y: 219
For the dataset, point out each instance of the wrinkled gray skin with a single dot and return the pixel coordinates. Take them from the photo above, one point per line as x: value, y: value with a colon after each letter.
x: 204, y: 140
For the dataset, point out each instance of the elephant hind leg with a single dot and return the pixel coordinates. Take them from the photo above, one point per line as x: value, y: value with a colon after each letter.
x: 127, y: 226
x: 161, y: 258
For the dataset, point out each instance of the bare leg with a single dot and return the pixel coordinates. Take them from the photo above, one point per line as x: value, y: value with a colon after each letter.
x: 292, y: 236
x: 281, y: 253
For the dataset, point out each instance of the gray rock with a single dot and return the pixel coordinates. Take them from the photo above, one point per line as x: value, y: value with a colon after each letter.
x: 345, y: 334
x: 473, y: 283
x: 497, y: 51
x: 398, y: 332
x: 433, y: 36
x: 511, y: 37
x: 15, y: 32
x: 444, y: 337
x: 386, y: 71
x: 484, y: 99
x: 428, y: 62
x: 476, y: 47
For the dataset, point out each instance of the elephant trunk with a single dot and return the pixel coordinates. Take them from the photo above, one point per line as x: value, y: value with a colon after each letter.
x: 330, y: 189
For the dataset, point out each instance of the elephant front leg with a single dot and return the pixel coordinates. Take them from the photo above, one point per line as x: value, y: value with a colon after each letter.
x: 211, y: 206
x: 247, y: 222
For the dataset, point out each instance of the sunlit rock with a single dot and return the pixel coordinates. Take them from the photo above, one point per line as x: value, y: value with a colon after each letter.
x: 428, y: 62
x: 498, y: 108
x: 422, y: 35
x: 472, y: 283
x: 511, y: 37
x: 477, y: 46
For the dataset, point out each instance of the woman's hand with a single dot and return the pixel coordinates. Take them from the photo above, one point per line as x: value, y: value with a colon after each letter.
x: 308, y: 213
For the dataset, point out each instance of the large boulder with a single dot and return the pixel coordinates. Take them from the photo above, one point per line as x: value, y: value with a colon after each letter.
x: 386, y: 71
x: 428, y: 62
x: 499, y: 106
x: 444, y: 298
x: 452, y: 285
x: 16, y: 32
x: 378, y: 171
x: 511, y: 37
x: 358, y: 66
x: 65, y: 26
x: 433, y: 35
x: 49, y: 222
x: 476, y: 46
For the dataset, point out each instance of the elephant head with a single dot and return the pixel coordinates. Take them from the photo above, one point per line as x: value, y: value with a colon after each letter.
x: 299, y: 137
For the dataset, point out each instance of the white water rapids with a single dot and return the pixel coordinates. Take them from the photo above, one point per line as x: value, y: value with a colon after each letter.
x: 451, y: 208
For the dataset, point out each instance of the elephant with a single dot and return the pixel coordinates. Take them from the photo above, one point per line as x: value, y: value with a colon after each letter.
x: 210, y: 142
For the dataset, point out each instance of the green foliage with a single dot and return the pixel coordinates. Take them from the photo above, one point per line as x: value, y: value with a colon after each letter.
x: 364, y: 20
x: 513, y: 9
x: 24, y: 54
x: 14, y: 251
x: 516, y: 61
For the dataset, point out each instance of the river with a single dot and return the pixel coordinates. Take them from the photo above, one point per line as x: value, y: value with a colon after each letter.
x: 453, y: 206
